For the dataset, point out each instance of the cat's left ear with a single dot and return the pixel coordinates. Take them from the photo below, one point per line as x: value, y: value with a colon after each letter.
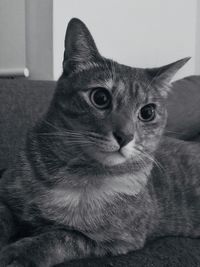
x: 162, y: 76
x: 80, y: 47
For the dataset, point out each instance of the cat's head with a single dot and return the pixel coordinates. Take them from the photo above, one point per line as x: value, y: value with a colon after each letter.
x: 113, y: 113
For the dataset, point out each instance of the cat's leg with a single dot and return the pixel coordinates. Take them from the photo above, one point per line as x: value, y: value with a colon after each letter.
x: 49, y: 249
x: 7, y: 225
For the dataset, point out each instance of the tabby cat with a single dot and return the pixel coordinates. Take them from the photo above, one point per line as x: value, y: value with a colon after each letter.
x: 97, y: 176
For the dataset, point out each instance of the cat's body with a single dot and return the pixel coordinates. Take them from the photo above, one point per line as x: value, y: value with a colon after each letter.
x: 167, y: 205
x: 92, y: 181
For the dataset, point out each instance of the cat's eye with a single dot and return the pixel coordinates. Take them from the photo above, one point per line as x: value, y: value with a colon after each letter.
x: 147, y: 113
x: 100, y: 98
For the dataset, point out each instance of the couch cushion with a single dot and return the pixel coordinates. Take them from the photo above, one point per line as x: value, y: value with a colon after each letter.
x: 184, y: 108
x: 22, y: 102
x: 1, y: 172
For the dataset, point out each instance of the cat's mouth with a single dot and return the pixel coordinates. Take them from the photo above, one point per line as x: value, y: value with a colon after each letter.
x: 110, y: 158
x: 111, y: 155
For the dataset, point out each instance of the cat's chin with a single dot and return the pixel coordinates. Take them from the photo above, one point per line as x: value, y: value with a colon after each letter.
x: 110, y: 158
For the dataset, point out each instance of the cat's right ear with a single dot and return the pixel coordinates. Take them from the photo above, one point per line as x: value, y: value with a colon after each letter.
x: 80, y: 47
x: 162, y: 76
x: 166, y: 73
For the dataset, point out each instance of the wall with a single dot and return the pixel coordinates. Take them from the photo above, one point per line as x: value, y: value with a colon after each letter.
x: 39, y: 39
x: 12, y: 37
x: 135, y: 32
x: 197, y: 56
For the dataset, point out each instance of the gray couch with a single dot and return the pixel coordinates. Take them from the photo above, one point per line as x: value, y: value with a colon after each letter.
x: 22, y: 102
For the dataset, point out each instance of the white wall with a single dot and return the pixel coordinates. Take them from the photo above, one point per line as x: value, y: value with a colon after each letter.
x: 139, y: 33
x: 39, y: 39
x: 197, y: 55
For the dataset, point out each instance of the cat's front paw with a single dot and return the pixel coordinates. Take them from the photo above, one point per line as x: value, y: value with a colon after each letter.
x: 14, y: 256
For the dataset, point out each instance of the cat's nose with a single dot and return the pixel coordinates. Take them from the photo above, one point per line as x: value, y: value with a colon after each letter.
x: 123, y: 138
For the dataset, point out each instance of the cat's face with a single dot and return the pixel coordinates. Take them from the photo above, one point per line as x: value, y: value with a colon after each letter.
x: 113, y: 113
x: 115, y: 110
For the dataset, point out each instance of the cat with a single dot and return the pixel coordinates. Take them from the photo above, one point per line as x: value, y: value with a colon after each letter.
x: 97, y: 176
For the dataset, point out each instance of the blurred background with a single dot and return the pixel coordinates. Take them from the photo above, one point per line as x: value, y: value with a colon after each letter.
x: 140, y: 33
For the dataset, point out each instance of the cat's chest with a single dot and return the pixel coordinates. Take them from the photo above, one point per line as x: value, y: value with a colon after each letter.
x: 90, y: 205
x: 78, y: 209
x: 98, y: 212
x: 108, y: 220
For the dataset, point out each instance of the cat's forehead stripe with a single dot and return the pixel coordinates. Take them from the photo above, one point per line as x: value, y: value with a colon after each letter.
x: 107, y: 83
x: 85, y: 67
x: 118, y: 88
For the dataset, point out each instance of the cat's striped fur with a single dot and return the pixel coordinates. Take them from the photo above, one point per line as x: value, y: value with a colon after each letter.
x: 72, y: 194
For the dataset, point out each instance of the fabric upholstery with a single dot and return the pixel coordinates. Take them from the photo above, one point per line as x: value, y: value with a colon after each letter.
x: 184, y: 108
x: 22, y: 102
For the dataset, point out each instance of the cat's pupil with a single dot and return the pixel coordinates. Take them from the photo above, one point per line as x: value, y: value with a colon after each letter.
x: 100, y: 98
x: 147, y: 113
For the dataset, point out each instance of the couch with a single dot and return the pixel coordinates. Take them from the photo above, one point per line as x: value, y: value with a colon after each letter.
x: 23, y: 101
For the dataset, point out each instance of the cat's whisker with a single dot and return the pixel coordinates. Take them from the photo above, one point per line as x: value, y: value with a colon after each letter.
x: 52, y: 125
x: 78, y: 143
x: 92, y: 136
x: 168, y: 131
x: 71, y: 139
x: 58, y: 134
x: 67, y: 137
x: 152, y: 159
x: 145, y: 154
x: 78, y: 138
x: 158, y: 164
x: 63, y: 133
x: 72, y: 132
x: 79, y: 131
x: 141, y: 163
